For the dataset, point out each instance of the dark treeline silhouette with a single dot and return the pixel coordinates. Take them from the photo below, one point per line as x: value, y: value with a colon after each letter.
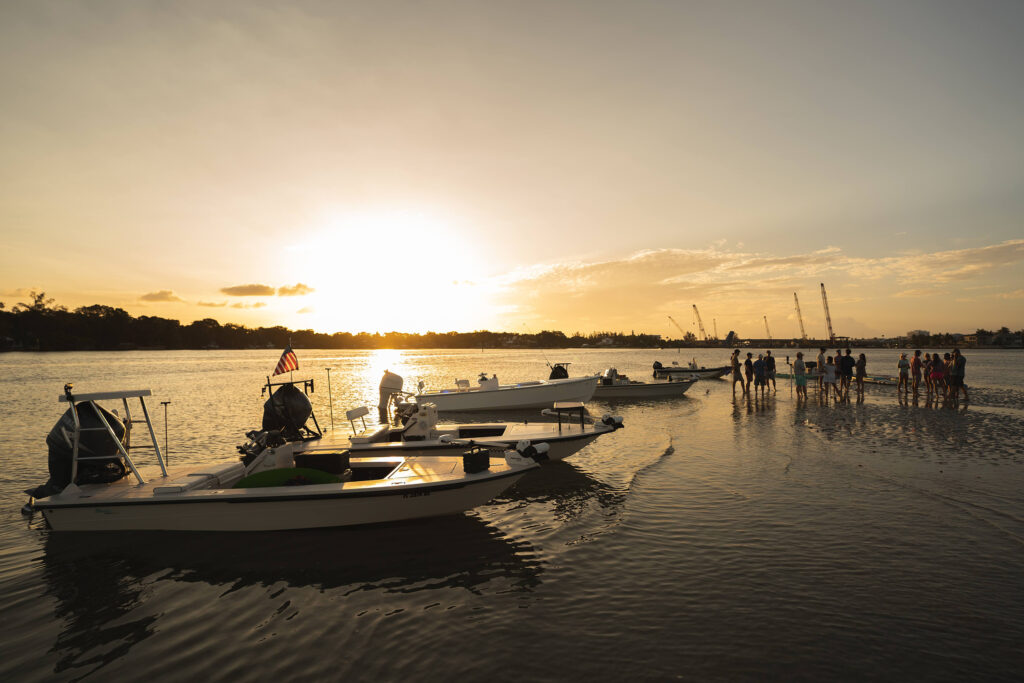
x: 42, y: 326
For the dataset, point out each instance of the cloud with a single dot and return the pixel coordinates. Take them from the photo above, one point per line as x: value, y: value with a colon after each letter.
x: 1016, y: 294
x: 307, y: 309
x: 257, y: 304
x: 164, y: 295
x: 213, y: 304
x: 920, y: 292
x: 21, y: 291
x: 248, y: 290
x: 297, y: 289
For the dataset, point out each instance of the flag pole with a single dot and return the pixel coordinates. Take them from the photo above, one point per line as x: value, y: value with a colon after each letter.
x: 330, y: 399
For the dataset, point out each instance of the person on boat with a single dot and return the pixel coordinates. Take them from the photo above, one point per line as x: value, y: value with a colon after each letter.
x: 748, y: 370
x: 769, y: 368
x: 737, y: 374
x: 957, y: 374
x: 862, y: 372
x: 760, y: 375
x: 819, y: 367
x: 915, y: 369
x: 800, y: 375
x: 904, y: 370
x: 829, y: 379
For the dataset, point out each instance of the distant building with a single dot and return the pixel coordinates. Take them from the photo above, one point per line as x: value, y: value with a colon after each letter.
x: 918, y: 333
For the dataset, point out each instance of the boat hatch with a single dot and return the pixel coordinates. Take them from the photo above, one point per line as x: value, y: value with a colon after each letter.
x: 370, y: 469
x: 481, y: 432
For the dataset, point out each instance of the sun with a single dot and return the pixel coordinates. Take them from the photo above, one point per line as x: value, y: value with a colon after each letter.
x: 392, y: 270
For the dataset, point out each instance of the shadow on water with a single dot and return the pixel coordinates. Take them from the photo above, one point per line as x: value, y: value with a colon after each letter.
x: 565, y: 488
x: 98, y: 580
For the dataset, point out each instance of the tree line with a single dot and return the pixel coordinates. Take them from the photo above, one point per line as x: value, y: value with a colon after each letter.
x: 44, y: 326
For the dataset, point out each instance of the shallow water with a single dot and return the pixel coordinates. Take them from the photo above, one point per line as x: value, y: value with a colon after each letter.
x: 711, y: 539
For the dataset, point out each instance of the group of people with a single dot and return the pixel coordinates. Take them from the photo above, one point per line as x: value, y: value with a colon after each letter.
x: 753, y: 372
x: 941, y: 375
x: 838, y: 373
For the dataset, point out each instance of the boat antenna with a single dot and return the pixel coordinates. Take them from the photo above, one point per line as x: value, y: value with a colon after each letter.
x: 550, y: 366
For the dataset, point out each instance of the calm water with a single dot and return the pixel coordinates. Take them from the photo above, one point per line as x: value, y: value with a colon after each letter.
x: 711, y: 539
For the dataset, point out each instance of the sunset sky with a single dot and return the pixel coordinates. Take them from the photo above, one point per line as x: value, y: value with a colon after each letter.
x: 518, y: 165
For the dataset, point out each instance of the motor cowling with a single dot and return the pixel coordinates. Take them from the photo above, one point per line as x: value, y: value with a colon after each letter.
x: 537, y: 452
x: 286, y: 411
x: 390, y: 385
x: 613, y: 421
x: 92, y: 443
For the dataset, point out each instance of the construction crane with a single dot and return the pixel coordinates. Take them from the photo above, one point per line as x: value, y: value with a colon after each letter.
x: 766, y: 328
x: 828, y: 318
x: 700, y: 323
x: 678, y: 326
x: 800, y: 317
x: 714, y: 324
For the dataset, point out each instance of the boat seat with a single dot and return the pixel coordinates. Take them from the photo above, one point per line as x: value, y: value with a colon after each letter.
x: 462, y: 385
x: 370, y: 436
x: 214, y: 477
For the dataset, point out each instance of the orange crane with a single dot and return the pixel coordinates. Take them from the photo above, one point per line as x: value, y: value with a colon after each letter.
x: 700, y: 323
x: 766, y: 328
x: 800, y: 317
x: 828, y: 318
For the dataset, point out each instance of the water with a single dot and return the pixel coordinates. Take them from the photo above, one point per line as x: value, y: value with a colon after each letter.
x: 711, y: 539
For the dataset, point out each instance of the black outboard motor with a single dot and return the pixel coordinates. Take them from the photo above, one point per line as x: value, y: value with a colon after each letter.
x: 658, y: 365
x: 92, y: 443
x: 559, y: 371
x: 286, y: 411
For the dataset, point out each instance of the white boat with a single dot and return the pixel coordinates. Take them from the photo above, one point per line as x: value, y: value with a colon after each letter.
x: 613, y: 385
x: 300, y: 484
x: 421, y: 434
x: 490, y: 395
x: 692, y: 371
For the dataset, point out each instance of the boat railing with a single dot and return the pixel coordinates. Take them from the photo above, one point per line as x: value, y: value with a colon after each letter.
x: 123, y: 447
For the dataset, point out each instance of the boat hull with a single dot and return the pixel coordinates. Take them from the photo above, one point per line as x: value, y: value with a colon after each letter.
x: 280, y: 508
x: 643, y: 390
x: 700, y: 373
x: 558, y: 448
x: 513, y: 397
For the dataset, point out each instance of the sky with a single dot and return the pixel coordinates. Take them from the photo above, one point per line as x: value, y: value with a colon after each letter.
x: 575, y: 165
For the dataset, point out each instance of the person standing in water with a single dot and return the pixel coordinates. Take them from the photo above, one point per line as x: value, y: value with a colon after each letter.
x: 829, y: 379
x: 760, y: 374
x: 904, y: 367
x: 915, y: 369
x: 748, y: 369
x: 819, y: 367
x: 862, y: 372
x: 957, y: 374
x: 800, y: 375
x: 737, y: 373
x: 769, y: 367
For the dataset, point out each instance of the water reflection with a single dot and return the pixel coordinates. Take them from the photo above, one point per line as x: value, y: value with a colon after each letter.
x: 99, y: 580
x: 565, y: 488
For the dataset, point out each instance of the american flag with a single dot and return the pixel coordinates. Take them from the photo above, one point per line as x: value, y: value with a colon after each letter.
x: 288, y: 362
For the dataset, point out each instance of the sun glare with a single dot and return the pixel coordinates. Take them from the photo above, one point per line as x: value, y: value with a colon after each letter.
x: 406, y: 271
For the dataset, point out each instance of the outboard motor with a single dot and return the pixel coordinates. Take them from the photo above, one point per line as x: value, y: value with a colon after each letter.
x: 559, y: 371
x: 286, y: 411
x: 609, y: 377
x: 92, y: 443
x: 613, y: 421
x: 658, y: 365
x: 390, y: 385
x: 538, y: 452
